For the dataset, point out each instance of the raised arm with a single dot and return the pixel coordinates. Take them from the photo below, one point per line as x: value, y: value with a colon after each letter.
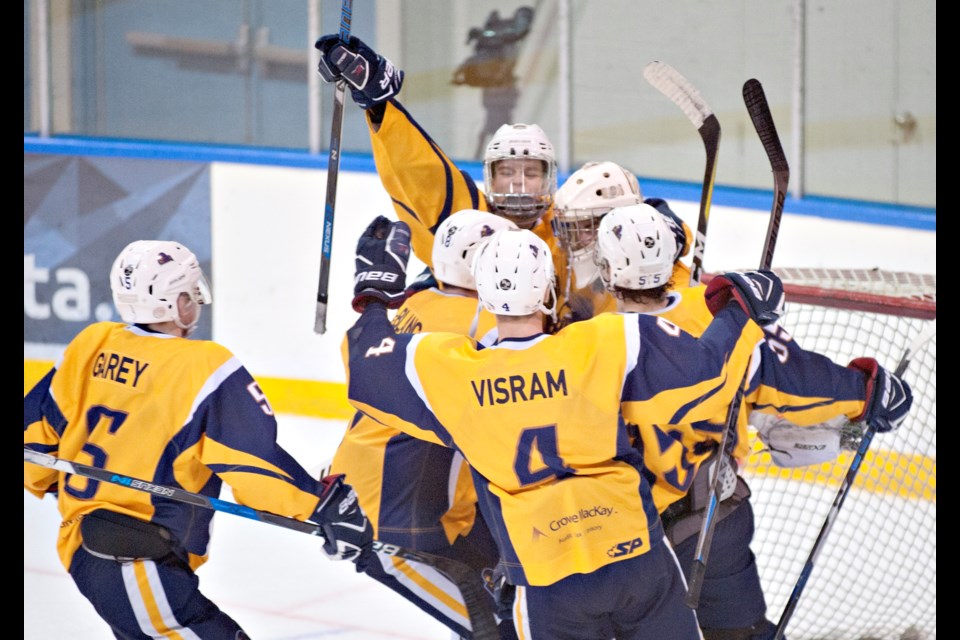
x: 423, y: 183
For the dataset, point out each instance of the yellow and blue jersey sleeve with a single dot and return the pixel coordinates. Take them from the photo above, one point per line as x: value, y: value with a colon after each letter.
x: 426, y: 187
x: 806, y: 387
x: 423, y: 183
x: 784, y: 378
x: 669, y: 357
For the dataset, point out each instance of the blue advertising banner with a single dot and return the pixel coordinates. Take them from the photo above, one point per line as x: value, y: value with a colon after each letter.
x: 79, y: 212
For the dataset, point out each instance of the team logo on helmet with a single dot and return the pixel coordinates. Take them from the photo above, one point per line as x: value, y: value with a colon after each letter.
x: 448, y: 236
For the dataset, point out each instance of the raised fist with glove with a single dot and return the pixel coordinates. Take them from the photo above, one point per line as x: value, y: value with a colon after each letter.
x: 373, y: 79
x: 888, y: 397
x: 346, y: 529
x: 381, y: 264
x: 759, y: 293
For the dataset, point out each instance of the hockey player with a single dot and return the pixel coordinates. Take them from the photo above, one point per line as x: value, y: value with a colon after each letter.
x: 545, y: 398
x: 635, y: 251
x: 538, y: 419
x: 417, y: 494
x: 732, y: 603
x: 519, y: 167
x: 579, y: 204
x: 139, y: 398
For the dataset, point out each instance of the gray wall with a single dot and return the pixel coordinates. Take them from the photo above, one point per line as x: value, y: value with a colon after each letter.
x: 852, y: 83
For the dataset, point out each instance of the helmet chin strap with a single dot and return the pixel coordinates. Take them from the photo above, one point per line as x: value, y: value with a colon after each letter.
x: 550, y: 310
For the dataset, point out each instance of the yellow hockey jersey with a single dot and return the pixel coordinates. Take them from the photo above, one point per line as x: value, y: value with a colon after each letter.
x: 539, y: 421
x: 169, y: 410
x: 429, y: 499
x: 807, y: 387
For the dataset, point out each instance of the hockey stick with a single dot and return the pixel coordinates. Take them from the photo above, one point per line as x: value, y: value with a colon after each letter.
x: 759, y: 110
x: 918, y: 343
x: 670, y: 83
x: 333, y: 170
x: 466, y: 579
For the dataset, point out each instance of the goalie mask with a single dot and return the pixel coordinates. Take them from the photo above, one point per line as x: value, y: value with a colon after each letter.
x: 148, y: 277
x: 514, y: 274
x: 520, y: 173
x: 635, y: 248
x: 586, y: 196
x: 456, y: 242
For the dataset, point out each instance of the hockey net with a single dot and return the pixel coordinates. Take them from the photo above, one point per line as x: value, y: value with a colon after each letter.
x: 876, y: 573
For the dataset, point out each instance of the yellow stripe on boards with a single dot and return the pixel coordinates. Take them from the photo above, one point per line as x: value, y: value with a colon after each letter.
x: 883, y: 472
x: 326, y: 400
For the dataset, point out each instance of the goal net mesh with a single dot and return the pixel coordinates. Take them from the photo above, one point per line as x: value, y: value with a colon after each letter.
x: 875, y: 576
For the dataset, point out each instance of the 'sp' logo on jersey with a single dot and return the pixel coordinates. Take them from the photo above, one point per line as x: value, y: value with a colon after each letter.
x: 625, y: 548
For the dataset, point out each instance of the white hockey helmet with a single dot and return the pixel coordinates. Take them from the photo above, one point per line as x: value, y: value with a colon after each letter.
x: 585, y: 197
x: 514, y: 274
x: 148, y: 277
x: 635, y: 248
x: 517, y: 202
x: 457, y: 239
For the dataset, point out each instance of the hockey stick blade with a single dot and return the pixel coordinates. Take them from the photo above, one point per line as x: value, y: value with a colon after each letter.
x: 915, y: 346
x: 681, y: 92
x: 759, y: 110
x: 466, y: 579
x: 918, y: 343
x: 333, y: 171
x: 672, y: 84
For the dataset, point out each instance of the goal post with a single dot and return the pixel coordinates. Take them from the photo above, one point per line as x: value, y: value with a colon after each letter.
x: 876, y: 575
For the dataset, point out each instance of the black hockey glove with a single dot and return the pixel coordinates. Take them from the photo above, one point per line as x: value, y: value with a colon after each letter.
x: 759, y: 293
x: 373, y: 79
x: 347, y: 532
x: 888, y: 397
x: 675, y: 223
x: 381, y: 264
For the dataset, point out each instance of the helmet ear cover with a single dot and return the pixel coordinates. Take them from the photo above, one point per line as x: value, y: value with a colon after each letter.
x: 514, y: 274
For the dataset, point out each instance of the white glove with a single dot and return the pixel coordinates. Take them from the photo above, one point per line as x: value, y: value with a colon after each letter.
x: 791, y: 445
